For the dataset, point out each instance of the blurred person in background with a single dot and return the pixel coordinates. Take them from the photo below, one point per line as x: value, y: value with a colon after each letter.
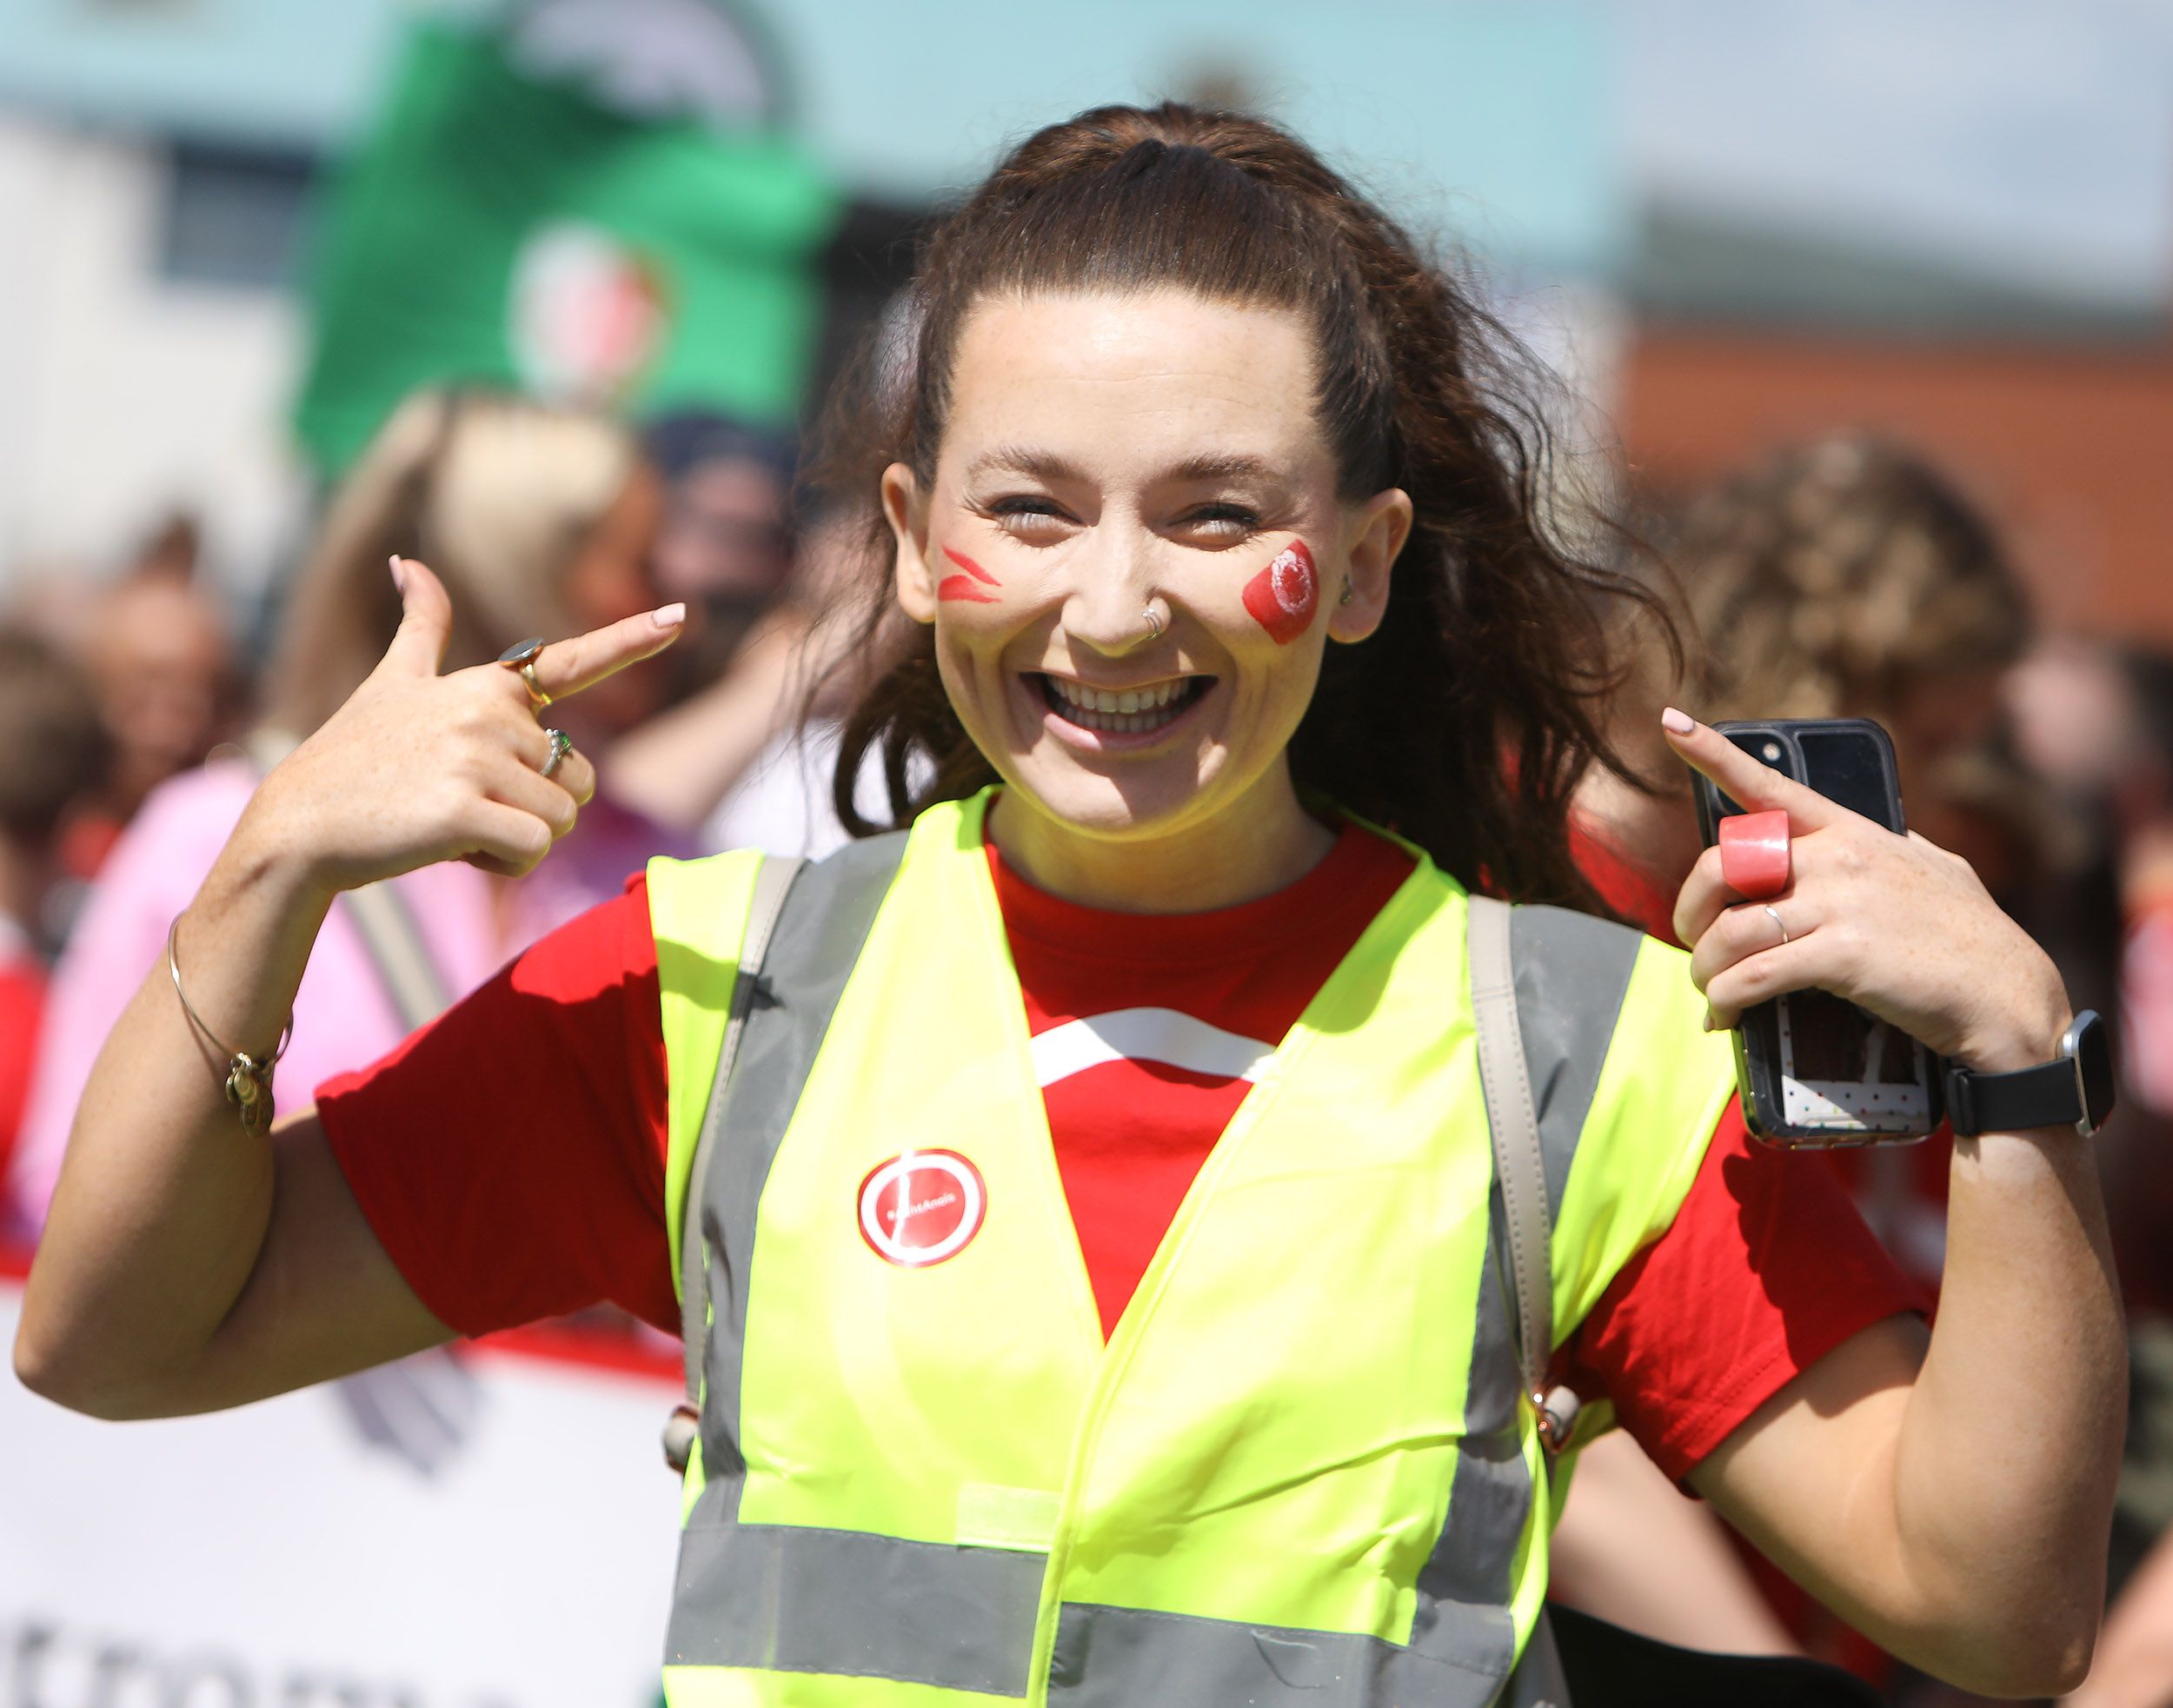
x: 53, y: 757
x: 726, y: 550
x: 1845, y: 577
x: 160, y: 651
x: 160, y: 654
x: 544, y: 520
x: 743, y: 759
x: 2098, y: 724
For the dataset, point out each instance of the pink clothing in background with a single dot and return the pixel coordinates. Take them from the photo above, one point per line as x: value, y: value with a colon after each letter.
x: 2146, y: 973
x: 344, y: 1016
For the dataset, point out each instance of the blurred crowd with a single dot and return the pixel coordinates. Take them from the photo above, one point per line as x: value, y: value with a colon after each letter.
x: 1847, y: 576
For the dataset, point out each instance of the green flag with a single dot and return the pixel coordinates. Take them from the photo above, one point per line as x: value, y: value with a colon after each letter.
x: 497, y: 229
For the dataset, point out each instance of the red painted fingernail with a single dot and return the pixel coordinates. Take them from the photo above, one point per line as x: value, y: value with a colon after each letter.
x: 399, y: 574
x: 1678, y: 723
x: 668, y: 616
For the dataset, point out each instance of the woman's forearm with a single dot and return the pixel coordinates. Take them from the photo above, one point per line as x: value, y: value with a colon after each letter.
x: 164, y: 1197
x: 2005, y: 1469
x: 161, y: 1215
x: 2135, y: 1660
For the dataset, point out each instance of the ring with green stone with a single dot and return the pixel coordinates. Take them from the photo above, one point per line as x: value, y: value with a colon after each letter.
x: 561, y: 744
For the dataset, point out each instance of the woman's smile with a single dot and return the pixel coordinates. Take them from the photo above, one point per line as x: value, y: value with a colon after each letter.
x: 1111, y: 718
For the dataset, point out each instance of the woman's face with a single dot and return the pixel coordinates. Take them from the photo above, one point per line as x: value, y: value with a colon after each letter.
x: 1107, y: 456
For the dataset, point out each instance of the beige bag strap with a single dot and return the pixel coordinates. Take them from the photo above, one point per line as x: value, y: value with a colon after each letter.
x: 1513, y: 1122
x: 396, y: 949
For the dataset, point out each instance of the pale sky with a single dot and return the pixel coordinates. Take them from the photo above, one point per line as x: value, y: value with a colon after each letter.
x: 2029, y: 139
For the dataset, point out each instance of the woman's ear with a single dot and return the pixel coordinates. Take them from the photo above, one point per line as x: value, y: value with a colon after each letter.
x: 908, y: 520
x: 1376, y: 535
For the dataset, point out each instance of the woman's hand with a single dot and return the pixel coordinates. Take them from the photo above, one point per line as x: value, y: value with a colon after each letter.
x: 418, y: 767
x: 1891, y: 922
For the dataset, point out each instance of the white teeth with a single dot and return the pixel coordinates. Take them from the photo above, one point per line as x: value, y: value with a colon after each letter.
x: 1129, y: 711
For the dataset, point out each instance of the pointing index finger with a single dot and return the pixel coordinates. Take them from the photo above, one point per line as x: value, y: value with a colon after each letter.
x: 1758, y: 787
x: 581, y: 661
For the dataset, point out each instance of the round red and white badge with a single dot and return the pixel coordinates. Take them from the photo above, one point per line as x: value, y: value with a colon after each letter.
x: 921, y: 1207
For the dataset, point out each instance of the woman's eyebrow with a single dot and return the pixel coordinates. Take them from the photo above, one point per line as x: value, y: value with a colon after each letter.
x: 1228, y: 466
x: 1192, y: 471
x: 1021, y: 460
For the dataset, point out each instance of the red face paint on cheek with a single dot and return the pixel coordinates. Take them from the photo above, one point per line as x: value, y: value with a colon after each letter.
x: 972, y: 587
x: 1282, y: 596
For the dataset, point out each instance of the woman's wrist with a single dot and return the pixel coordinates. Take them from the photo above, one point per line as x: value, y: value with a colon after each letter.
x: 2027, y: 1034
x: 268, y: 860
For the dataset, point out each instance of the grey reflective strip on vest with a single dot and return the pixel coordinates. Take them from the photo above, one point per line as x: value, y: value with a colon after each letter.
x: 1118, y: 1657
x: 800, y: 1599
x: 819, y: 935
x: 1573, y: 973
x: 794, y: 1599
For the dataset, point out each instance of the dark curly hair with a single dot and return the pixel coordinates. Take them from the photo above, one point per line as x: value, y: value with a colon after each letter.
x: 1825, y: 577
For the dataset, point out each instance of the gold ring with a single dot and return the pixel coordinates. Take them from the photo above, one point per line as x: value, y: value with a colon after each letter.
x: 522, y: 658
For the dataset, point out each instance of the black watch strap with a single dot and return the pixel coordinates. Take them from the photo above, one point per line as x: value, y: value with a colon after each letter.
x: 2047, y: 1095
x: 2077, y: 1088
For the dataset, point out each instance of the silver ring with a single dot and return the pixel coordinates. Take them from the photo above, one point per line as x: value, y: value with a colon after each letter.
x: 1153, y: 623
x: 561, y: 744
x: 1769, y: 914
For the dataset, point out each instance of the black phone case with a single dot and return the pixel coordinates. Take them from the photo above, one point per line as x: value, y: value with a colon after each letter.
x: 1757, y: 1035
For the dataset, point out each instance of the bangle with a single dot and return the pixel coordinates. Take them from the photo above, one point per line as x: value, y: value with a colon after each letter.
x: 249, y: 1080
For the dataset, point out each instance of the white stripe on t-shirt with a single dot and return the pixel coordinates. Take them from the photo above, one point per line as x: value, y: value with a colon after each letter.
x: 1146, y: 1034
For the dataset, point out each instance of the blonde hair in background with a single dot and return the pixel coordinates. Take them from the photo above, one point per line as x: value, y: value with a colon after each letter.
x: 1817, y: 582
x: 495, y: 492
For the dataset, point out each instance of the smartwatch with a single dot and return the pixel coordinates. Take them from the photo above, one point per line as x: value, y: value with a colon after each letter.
x: 2074, y: 1089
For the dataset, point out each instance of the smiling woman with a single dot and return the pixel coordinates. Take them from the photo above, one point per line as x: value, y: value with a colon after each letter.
x: 1306, y: 402
x: 1096, y: 1270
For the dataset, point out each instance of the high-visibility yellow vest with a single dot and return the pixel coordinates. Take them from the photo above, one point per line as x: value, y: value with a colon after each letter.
x: 1302, y: 1470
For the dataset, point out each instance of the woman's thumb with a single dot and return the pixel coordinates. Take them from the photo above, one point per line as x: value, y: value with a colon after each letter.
x: 426, y: 621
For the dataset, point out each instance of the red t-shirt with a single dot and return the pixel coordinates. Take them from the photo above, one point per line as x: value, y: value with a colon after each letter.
x: 510, y: 1157
x: 22, y: 1009
x: 1902, y: 1189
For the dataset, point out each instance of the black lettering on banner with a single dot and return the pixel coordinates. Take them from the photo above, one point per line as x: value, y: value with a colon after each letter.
x: 111, y: 1667
x: 33, y: 1638
x: 208, y: 1682
x: 48, y: 1666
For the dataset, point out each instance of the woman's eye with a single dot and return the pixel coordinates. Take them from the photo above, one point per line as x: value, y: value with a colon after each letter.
x: 1221, y: 521
x: 1026, y: 514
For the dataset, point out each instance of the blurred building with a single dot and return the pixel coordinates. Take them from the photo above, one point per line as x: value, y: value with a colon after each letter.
x: 162, y: 163
x: 2056, y: 411
x: 1949, y: 220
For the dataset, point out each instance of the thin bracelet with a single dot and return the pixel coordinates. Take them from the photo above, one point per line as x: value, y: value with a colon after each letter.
x: 248, y: 1081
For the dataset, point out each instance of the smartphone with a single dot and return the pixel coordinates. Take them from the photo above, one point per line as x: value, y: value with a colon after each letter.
x: 1815, y: 1070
